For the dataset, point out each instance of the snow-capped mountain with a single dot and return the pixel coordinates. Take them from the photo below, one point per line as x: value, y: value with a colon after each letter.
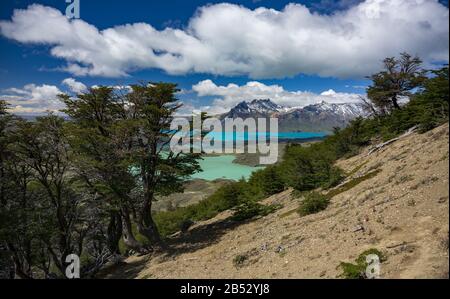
x: 255, y: 108
x: 318, y: 117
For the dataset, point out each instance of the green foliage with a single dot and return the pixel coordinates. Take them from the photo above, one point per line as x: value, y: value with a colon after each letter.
x: 289, y: 213
x: 124, y: 250
x: 398, y: 79
x: 239, y: 260
x: 427, y: 109
x: 358, y: 269
x: 3, y: 107
x: 119, y: 141
x: 251, y: 209
x: 352, y: 271
x: 224, y: 198
x: 268, y: 181
x: 356, y: 169
x: 307, y: 168
x: 313, y: 202
x: 432, y: 104
x: 241, y: 196
x: 352, y: 183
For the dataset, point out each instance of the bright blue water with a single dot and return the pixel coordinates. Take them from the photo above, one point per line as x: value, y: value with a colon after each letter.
x: 222, y: 167
x: 228, y: 136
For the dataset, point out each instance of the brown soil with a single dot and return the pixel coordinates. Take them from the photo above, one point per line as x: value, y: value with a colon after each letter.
x: 402, y: 211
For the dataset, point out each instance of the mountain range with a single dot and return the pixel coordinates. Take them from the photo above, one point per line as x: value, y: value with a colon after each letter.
x: 321, y: 117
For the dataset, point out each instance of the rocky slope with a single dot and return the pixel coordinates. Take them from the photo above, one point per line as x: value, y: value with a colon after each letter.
x: 403, y: 211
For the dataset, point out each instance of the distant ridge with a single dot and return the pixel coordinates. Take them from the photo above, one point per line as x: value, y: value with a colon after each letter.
x: 321, y: 117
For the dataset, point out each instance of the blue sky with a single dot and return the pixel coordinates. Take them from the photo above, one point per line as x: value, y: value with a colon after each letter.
x: 294, y: 53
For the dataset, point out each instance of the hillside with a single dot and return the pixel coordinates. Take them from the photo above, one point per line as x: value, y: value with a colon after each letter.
x: 401, y: 211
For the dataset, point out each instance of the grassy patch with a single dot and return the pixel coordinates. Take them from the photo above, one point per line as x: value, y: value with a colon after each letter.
x: 313, y: 203
x: 252, y: 209
x: 140, y: 238
x: 298, y: 194
x: 239, y: 260
x: 352, y: 183
x: 284, y: 215
x: 358, y: 269
x: 356, y: 169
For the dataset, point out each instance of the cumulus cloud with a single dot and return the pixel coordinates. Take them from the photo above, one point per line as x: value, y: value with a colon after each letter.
x: 74, y: 86
x: 231, y: 94
x: 40, y: 99
x: 227, y: 39
x: 33, y: 99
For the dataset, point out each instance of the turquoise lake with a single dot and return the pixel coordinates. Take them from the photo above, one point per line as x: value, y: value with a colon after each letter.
x: 222, y: 167
x: 228, y: 136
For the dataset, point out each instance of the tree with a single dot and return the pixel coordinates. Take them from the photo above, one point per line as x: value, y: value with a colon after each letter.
x: 99, y: 158
x: 11, y: 262
x: 431, y: 105
x: 161, y: 172
x: 307, y: 168
x: 5, y: 121
x: 268, y: 181
x: 55, y: 211
x: 42, y: 147
x: 19, y: 246
x: 3, y: 107
x: 121, y: 144
x: 398, y: 79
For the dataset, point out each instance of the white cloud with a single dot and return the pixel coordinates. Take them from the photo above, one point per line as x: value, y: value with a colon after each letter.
x: 74, y: 86
x: 227, y: 39
x: 230, y: 95
x: 33, y: 99
x: 38, y: 99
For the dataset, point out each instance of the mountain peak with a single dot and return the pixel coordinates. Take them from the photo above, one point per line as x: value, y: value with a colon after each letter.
x: 321, y: 116
x: 256, y: 107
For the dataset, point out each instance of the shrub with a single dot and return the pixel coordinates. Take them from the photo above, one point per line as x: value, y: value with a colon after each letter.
x: 226, y: 197
x: 250, y: 209
x: 239, y: 260
x: 336, y: 176
x: 349, y: 185
x: 268, y: 181
x: 307, y: 168
x: 358, y: 270
x: 314, y: 202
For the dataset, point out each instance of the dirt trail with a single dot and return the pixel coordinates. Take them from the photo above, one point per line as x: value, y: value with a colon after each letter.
x: 402, y: 211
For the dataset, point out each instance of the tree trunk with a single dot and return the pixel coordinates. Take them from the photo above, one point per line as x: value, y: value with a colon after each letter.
x: 146, y: 225
x: 395, y: 103
x: 20, y: 268
x: 114, y: 232
x: 128, y: 236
